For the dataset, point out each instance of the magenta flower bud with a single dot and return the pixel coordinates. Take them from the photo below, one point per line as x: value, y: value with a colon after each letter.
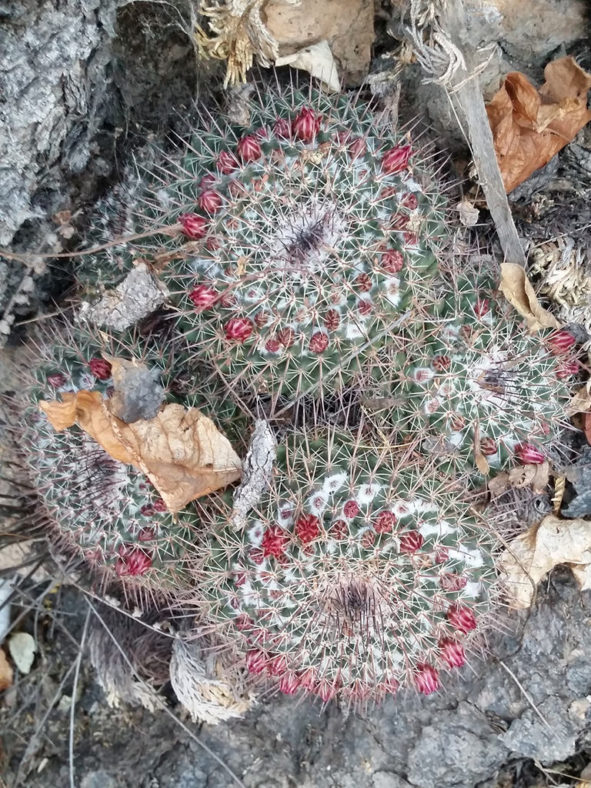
x: 392, y: 261
x: 384, y: 522
x: 57, y: 380
x: 274, y: 541
x: 282, y: 128
x: 307, y: 528
x: 289, y: 684
x: 227, y: 163
x: 351, y: 509
x: 256, y: 661
x: 318, y: 342
x: 565, y: 370
x: 135, y: 562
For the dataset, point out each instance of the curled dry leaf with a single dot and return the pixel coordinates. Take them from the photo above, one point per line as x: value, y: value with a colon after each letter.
x: 535, y: 477
x: 181, y: 450
x: 532, y: 555
x: 318, y: 61
x: 530, y: 126
x: 517, y: 289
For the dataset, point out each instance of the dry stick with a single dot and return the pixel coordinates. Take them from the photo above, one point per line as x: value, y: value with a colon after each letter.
x: 466, y: 91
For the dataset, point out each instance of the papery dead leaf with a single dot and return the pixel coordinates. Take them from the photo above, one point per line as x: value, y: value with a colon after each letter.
x: 535, y: 477
x: 517, y: 289
x: 533, y: 554
x: 581, y: 402
x: 530, y: 126
x: 318, y: 61
x: 479, y: 458
x: 587, y: 427
x: 6, y: 672
x: 181, y: 451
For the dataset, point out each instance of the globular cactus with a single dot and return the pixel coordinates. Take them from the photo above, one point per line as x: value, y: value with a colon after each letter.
x: 356, y: 574
x: 292, y: 245
x: 94, y: 509
x: 471, y: 382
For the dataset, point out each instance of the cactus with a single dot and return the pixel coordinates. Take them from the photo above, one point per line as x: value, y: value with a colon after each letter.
x: 96, y: 509
x: 472, y: 381
x: 357, y: 574
x: 300, y: 240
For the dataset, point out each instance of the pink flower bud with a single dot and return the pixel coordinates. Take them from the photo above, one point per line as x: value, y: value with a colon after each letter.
x: 565, y: 370
x: 461, y: 618
x: 307, y: 125
x: 561, y: 341
x: 325, y: 690
x: 238, y: 329
x: 363, y: 283
x: 426, y: 679
x: 207, y: 181
x: 289, y: 684
x: 441, y: 363
x: 396, y: 159
x: 100, y: 368
x: 452, y: 652
x: 277, y: 666
x: 159, y: 505
x: 410, y: 201
x: 332, y: 320
x: 339, y: 530
x: 203, y: 296
x: 529, y: 454
x: 194, y: 227
x: 286, y: 336
x: 249, y: 149
x: 450, y: 581
x: 481, y: 307
x: 357, y: 147
x: 210, y: 201
x: 273, y: 345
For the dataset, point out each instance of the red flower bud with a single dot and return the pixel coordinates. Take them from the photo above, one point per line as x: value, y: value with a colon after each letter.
x: 351, y: 509
x: 289, y: 684
x: 282, y: 128
x: 363, y: 283
x: 194, y: 227
x: 207, y: 181
x: 134, y: 563
x: 307, y: 125
x: 210, y: 201
x: 272, y: 345
x: 307, y: 528
x: 410, y: 201
x: 461, y: 618
x: 248, y: 148
x: 203, y: 296
x: 441, y: 363
x: 100, y: 368
x: 529, y: 454
x: 318, y: 342
x: 565, y: 370
x: 159, y: 505
x: 396, y: 159
x: 339, y: 530
x: 384, y: 522
x: 256, y: 661
x: 392, y: 261
x: 286, y: 336
x: 274, y: 541
x: 426, y: 679
x: 481, y: 307
x: 332, y: 320
x: 357, y: 147
x: 238, y: 329
x: 227, y: 162
x: 451, y: 581
x: 411, y: 541
x: 57, y: 380
x: 452, y: 652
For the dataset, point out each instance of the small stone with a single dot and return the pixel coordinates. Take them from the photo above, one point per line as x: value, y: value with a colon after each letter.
x: 22, y: 649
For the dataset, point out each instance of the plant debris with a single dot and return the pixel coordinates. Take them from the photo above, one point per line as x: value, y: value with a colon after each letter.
x: 181, y: 450
x: 22, y: 649
x: 530, y: 126
x: 6, y: 672
x: 518, y: 290
x: 532, y: 555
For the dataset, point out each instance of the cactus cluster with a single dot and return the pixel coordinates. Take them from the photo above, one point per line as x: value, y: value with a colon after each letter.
x: 303, y: 254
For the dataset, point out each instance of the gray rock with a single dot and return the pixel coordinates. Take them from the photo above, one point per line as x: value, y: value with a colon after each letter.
x: 546, y: 734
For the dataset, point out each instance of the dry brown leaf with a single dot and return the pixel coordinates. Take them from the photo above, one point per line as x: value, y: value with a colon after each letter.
x: 581, y: 402
x: 479, y: 458
x: 587, y: 427
x: 181, y: 451
x: 530, y: 126
x: 517, y: 289
x: 533, y: 554
x: 534, y: 476
x: 6, y: 672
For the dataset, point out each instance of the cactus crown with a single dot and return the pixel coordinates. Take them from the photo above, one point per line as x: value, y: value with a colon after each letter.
x: 355, y: 574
